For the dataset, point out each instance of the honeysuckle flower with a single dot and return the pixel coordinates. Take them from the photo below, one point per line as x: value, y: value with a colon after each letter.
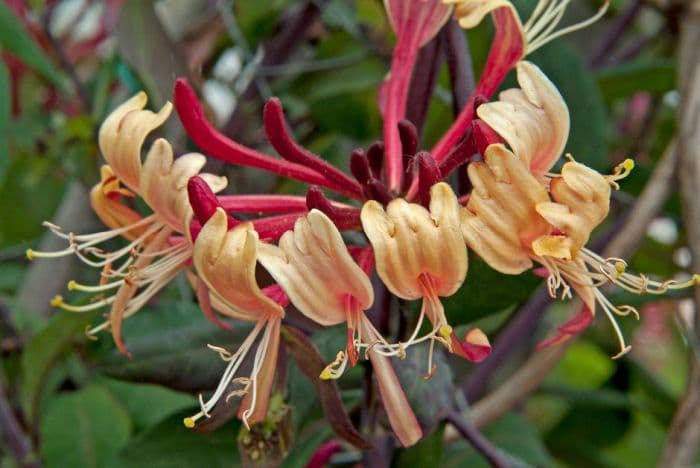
x: 415, y: 22
x: 420, y: 254
x: 225, y: 260
x: 513, y: 41
x: 322, y: 280
x: 533, y: 120
x: 159, y: 247
x: 511, y: 221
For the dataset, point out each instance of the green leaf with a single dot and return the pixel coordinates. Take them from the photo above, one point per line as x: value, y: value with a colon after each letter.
x: 169, y: 347
x: 41, y: 354
x: 429, y: 398
x: 486, y: 292
x: 14, y: 38
x: 11, y: 275
x: 593, y: 422
x: 83, y: 429
x: 169, y: 444
x: 147, y: 404
x: 311, y: 364
x: 29, y: 195
x: 5, y: 100
x: 425, y: 452
x: 655, y: 75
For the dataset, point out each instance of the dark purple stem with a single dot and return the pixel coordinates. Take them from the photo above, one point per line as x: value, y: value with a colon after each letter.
x: 276, y: 52
x: 612, y: 38
x: 423, y: 81
x: 459, y: 65
x: 12, y: 433
x: 477, y: 440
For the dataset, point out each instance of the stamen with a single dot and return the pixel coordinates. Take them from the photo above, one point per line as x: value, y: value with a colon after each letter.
x: 75, y: 286
x: 431, y: 367
x: 621, y: 171
x: 58, y: 302
x: 545, y: 19
x: 235, y: 360
x: 603, y: 301
x: 336, y: 368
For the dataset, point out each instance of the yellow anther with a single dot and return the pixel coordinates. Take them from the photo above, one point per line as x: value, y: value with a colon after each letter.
x: 30, y: 254
x: 326, y: 373
x: 696, y: 278
x: 188, y: 422
x: 57, y: 301
x: 620, y: 268
x: 621, y: 171
x: 445, y: 331
x: 72, y: 285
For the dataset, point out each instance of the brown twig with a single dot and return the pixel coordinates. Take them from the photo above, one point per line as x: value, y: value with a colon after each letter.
x: 684, y: 433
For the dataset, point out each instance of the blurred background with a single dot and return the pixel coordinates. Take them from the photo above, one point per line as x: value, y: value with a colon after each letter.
x: 66, y: 401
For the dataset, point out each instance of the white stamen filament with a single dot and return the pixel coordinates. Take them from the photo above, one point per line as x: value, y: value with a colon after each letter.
x: 540, y: 27
x: 235, y: 361
x: 604, y: 271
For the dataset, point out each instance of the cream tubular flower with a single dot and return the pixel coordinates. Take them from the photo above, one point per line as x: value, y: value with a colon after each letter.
x: 123, y: 134
x: 225, y: 261
x: 511, y: 221
x: 315, y: 269
x: 159, y: 246
x: 420, y: 254
x: 533, y: 120
x: 500, y: 220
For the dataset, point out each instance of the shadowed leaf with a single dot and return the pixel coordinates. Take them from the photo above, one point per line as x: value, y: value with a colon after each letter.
x: 83, y: 429
x: 311, y: 364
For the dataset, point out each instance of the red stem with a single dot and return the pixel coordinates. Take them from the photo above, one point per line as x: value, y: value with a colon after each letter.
x: 506, y: 51
x: 211, y: 141
x: 271, y: 228
x: 262, y: 203
x: 284, y: 144
x: 396, y: 94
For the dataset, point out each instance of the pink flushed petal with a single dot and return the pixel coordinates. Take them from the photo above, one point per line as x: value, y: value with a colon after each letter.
x: 277, y: 294
x: 507, y: 49
x: 572, y: 327
x: 471, y: 351
x: 204, y: 299
x: 265, y: 377
x: 419, y: 19
x: 324, y: 453
x: 401, y: 417
x: 542, y: 272
x: 415, y: 23
x: 483, y: 136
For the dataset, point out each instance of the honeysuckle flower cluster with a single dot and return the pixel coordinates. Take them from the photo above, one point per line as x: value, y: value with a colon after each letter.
x: 416, y: 229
